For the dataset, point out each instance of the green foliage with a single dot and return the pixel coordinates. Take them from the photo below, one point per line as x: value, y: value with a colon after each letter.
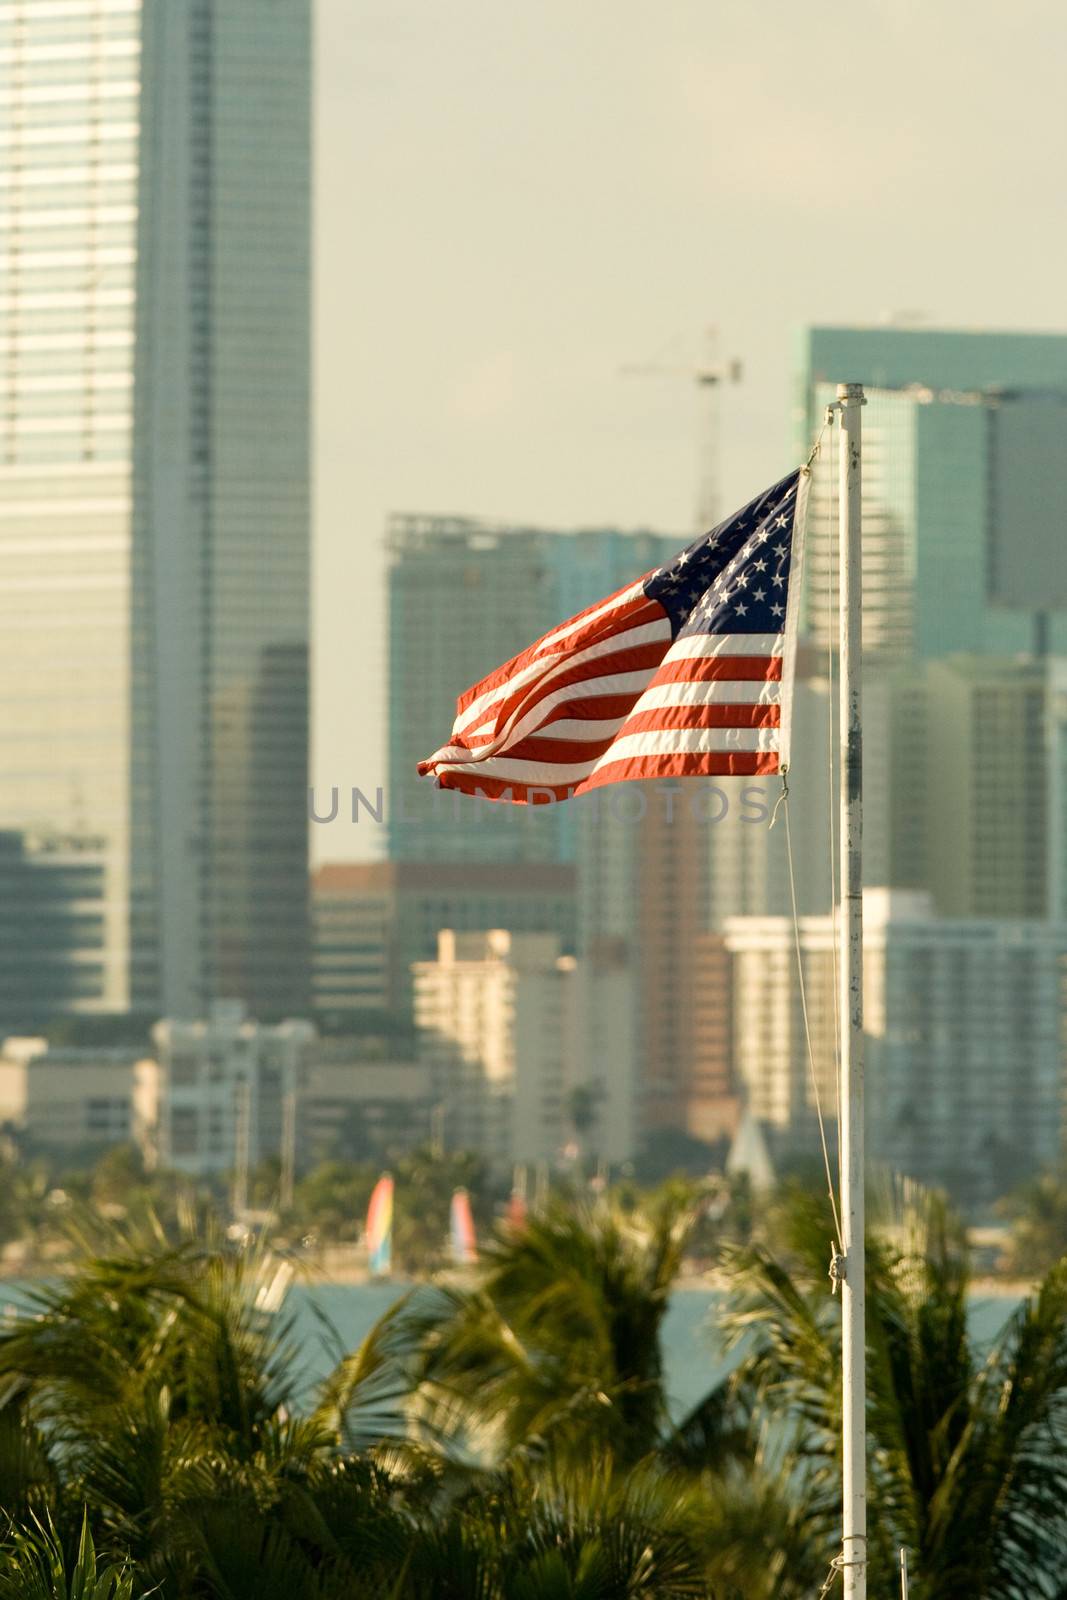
x: 1038, y: 1216
x: 583, y: 1107
x: 669, y: 1152
x: 555, y: 1346
x: 563, y: 1532
x: 51, y: 1204
x: 33, y: 1566
x: 968, y: 1468
x: 425, y: 1183
x: 506, y: 1435
x: 330, y: 1202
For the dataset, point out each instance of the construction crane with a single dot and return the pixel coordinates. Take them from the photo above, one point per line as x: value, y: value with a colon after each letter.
x: 710, y: 376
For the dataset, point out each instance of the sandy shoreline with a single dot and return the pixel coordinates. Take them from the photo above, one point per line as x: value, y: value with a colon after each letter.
x: 337, y: 1269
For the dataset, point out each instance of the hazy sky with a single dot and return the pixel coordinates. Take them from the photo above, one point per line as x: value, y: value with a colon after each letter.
x: 513, y: 200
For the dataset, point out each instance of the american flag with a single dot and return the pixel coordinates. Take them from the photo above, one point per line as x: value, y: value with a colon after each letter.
x: 685, y: 673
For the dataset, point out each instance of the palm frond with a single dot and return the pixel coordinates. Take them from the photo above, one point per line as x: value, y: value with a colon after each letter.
x: 33, y: 1567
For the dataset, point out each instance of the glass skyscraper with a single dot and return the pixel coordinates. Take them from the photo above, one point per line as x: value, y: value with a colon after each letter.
x: 957, y: 553
x: 154, y: 482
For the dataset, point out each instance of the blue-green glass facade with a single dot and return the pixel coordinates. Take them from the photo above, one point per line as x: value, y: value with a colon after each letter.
x: 933, y: 529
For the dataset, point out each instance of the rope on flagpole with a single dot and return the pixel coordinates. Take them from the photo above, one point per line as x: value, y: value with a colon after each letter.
x: 783, y: 802
x: 828, y: 422
x: 835, y: 932
x: 837, y: 1565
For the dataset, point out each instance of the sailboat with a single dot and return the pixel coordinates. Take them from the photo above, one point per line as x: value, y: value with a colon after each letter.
x: 464, y: 1241
x: 379, y: 1230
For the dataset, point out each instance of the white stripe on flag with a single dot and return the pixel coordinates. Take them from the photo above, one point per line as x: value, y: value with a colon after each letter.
x: 710, y: 691
x: 545, y: 668
x: 725, y: 644
x: 671, y: 741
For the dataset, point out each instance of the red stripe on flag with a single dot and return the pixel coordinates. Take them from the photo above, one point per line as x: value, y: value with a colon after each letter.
x: 705, y: 669
x: 639, y: 658
x: 631, y: 615
x: 708, y: 764
x: 582, y: 708
x: 499, y: 789
x: 712, y: 716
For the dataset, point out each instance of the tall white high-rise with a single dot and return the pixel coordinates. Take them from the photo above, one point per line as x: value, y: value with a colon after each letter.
x: 154, y: 488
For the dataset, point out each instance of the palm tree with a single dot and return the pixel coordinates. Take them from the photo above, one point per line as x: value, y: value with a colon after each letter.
x: 119, y: 1380
x: 147, y: 1397
x: 558, y: 1338
x: 512, y: 1440
x: 967, y: 1464
x: 542, y: 1384
x: 34, y: 1567
x: 559, y: 1530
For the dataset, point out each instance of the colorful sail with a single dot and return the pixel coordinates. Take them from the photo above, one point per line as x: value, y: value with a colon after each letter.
x: 517, y: 1209
x: 380, y: 1227
x: 464, y: 1240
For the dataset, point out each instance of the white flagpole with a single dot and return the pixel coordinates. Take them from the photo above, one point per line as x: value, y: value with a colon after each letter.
x: 853, y: 1345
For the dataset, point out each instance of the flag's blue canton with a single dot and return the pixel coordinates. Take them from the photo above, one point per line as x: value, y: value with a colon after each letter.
x: 734, y: 579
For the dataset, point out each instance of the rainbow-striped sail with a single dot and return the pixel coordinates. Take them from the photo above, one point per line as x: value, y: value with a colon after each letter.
x: 380, y: 1228
x: 464, y: 1240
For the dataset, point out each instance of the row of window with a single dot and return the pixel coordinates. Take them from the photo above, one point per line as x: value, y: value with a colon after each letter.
x: 56, y: 184
x: 66, y: 359
x: 116, y: 35
x: 91, y: 274
x: 77, y: 211
x: 19, y: 22
x: 37, y: 452
x: 46, y: 64
x: 109, y: 245
x: 24, y: 122
x: 69, y: 145
x: 80, y: 164
x: 47, y: 83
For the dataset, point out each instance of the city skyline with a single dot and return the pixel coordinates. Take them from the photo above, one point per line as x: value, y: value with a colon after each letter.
x: 179, y: 370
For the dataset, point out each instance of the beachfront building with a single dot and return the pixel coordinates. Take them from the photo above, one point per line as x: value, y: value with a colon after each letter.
x: 227, y: 1086
x: 501, y: 1021
x: 75, y: 1103
x: 965, y: 1040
